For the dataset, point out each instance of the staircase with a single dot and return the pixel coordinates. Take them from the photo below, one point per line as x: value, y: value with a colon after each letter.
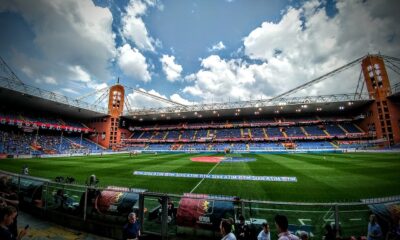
x: 61, y: 121
x: 249, y: 132
x: 265, y: 133
x: 326, y: 132
x: 344, y: 130
x: 101, y: 147
x: 284, y: 133
x: 334, y: 145
x: 247, y: 147
x: 355, y: 125
x: 241, y: 133
x: 140, y: 135
x: 153, y: 135
x: 165, y: 135
x: 131, y: 135
x: 194, y: 135
x: 304, y: 131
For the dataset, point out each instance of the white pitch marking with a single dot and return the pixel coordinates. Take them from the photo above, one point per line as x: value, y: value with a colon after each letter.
x: 204, y: 178
x: 302, y: 220
x: 355, y: 219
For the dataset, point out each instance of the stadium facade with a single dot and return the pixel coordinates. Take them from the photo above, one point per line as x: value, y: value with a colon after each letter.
x: 36, y: 121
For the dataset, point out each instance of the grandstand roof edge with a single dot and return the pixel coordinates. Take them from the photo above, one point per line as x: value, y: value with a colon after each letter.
x: 22, y: 94
x: 215, y: 110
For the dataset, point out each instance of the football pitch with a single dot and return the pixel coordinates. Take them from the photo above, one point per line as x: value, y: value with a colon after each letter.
x: 320, y: 177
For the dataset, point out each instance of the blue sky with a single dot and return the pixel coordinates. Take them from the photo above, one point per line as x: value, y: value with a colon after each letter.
x: 193, y: 51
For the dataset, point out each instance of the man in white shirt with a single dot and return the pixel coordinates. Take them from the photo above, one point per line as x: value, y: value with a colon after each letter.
x: 226, y: 230
x: 264, y: 234
x: 281, y: 224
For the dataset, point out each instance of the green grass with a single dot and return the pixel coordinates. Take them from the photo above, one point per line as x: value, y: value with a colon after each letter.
x: 338, y: 177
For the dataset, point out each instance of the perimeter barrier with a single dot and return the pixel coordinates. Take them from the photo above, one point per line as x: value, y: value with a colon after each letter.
x: 104, y: 210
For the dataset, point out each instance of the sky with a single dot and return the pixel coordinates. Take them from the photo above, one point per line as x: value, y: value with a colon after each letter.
x: 193, y: 51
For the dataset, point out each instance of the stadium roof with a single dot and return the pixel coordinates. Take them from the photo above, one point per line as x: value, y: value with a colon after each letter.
x: 296, y: 105
x: 48, y: 101
x: 13, y: 90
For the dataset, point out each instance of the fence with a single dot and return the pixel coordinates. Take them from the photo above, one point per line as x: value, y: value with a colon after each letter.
x: 104, y: 210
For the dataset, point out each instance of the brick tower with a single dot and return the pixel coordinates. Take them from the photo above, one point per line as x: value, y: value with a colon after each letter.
x: 383, y: 116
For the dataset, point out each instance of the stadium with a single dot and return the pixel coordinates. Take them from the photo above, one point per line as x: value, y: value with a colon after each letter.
x: 283, y: 109
x: 243, y: 157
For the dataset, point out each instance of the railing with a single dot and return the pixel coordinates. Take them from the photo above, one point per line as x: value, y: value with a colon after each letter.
x: 186, y: 216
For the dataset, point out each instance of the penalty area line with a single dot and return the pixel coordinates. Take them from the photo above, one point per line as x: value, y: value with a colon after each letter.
x: 198, y: 184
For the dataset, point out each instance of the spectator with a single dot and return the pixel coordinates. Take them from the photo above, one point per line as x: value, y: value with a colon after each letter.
x: 25, y: 170
x: 171, y: 210
x: 374, y: 230
x: 281, y: 224
x: 264, y: 234
x: 10, y: 197
x: 226, y: 230
x: 131, y: 230
x: 232, y: 222
x: 303, y: 235
x: 329, y: 232
x: 396, y: 231
x: 59, y: 198
x: 7, y: 216
x: 242, y: 229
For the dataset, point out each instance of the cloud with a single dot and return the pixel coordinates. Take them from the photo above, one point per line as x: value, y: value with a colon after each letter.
x: 171, y: 69
x: 50, y: 80
x: 45, y: 80
x: 177, y: 98
x: 72, y: 40
x: 217, y: 47
x: 78, y: 74
x: 133, y: 63
x: 133, y: 27
x: 69, y: 90
x: 138, y: 100
x: 304, y: 44
x: 223, y: 80
x: 310, y: 43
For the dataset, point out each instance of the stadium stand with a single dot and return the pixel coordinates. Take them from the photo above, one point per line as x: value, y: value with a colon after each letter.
x: 294, y: 132
x: 334, y: 130
x: 257, y: 133
x: 188, y: 135
x: 274, y: 132
x: 284, y: 133
x: 314, y: 131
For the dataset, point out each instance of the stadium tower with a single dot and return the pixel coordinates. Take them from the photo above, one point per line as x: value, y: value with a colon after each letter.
x: 108, y: 133
x: 383, y: 116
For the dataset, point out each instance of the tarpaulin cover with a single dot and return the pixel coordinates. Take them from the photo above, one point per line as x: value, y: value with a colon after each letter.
x: 116, y: 203
x: 203, y: 212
